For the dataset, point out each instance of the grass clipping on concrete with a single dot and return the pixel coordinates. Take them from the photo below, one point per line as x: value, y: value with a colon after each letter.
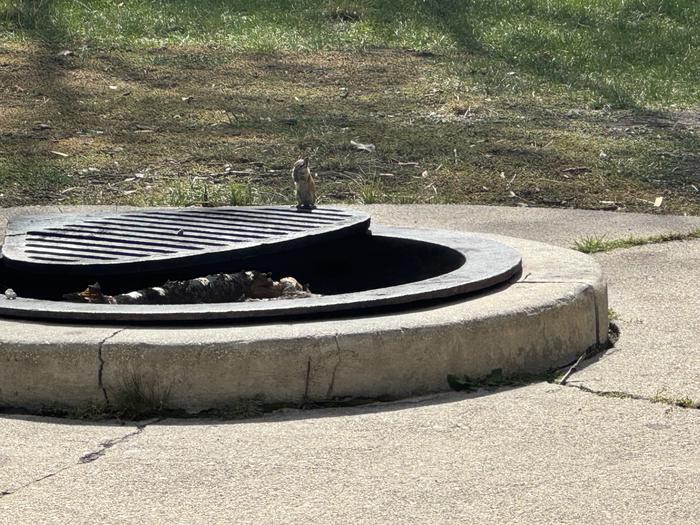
x: 571, y: 104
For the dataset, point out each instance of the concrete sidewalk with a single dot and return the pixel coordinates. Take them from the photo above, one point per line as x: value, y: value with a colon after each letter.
x: 599, y: 450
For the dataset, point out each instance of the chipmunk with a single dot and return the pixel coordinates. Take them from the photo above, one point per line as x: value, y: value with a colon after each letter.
x: 304, y: 185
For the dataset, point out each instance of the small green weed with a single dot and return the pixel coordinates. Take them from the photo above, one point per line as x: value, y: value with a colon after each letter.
x: 687, y: 402
x: 140, y: 395
x: 598, y: 243
x: 683, y: 402
x: 368, y: 190
x: 28, y: 177
x: 196, y: 192
x: 592, y: 244
x: 239, y: 194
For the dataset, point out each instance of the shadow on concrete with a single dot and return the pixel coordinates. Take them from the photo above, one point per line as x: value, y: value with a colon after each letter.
x: 291, y: 413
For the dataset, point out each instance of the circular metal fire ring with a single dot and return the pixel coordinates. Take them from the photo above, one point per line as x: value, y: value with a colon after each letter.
x: 484, y: 264
x: 553, y: 312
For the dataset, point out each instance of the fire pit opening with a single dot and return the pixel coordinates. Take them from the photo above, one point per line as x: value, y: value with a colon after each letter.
x: 362, y: 262
x: 148, y: 264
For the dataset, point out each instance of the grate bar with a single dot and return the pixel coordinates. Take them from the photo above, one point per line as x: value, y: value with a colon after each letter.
x: 90, y: 249
x: 318, y: 212
x: 54, y: 259
x: 69, y: 243
x: 231, y: 223
x: 153, y: 232
x: 195, y: 227
x: 68, y: 256
x: 132, y: 240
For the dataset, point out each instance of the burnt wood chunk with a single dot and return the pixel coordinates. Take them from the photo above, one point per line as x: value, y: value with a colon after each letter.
x: 215, y: 288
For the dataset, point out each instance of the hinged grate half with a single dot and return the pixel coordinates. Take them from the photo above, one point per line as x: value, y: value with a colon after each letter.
x: 158, y: 238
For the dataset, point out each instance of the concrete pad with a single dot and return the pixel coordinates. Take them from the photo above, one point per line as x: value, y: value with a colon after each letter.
x: 32, y: 448
x: 655, y: 290
x: 552, y: 225
x: 539, y: 454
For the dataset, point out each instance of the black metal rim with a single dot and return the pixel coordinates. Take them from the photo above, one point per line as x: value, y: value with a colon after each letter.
x: 487, y: 264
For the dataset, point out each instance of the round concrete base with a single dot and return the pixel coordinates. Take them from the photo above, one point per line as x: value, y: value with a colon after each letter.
x: 553, y: 313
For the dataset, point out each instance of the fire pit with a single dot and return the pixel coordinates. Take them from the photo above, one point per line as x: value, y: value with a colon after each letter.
x: 394, y: 311
x: 348, y: 267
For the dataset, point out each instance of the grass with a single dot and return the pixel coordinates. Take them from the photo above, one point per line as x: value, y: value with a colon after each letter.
x: 598, y: 243
x: 197, y: 192
x: 683, y: 402
x: 140, y: 395
x: 184, y: 103
x: 626, y: 51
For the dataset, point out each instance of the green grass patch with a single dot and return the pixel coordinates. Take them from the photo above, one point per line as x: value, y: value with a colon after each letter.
x: 521, y: 102
x: 197, y: 192
x: 27, y: 181
x: 623, y: 53
x: 599, y: 243
x: 141, y: 128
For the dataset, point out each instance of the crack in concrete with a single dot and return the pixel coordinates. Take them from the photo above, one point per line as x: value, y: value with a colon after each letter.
x: 329, y: 392
x: 617, y: 394
x: 9, y: 492
x: 106, y: 445
x: 85, y: 458
x: 597, y: 315
x: 613, y: 334
x: 100, y: 359
x: 306, y: 384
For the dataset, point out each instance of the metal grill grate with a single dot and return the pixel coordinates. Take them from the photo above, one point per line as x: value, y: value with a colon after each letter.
x: 168, y: 234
